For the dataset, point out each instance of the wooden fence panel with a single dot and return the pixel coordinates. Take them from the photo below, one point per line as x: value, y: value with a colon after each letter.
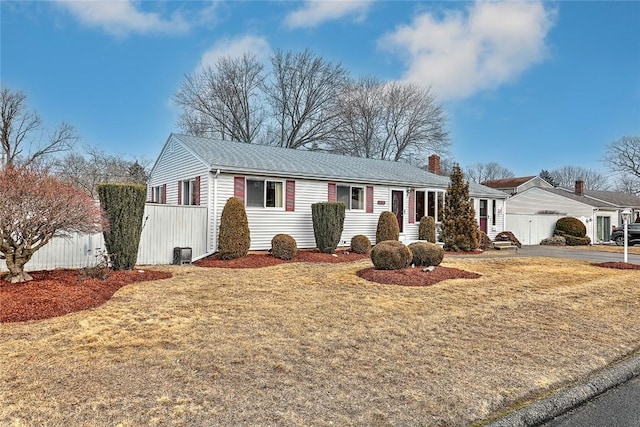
x: 165, y: 227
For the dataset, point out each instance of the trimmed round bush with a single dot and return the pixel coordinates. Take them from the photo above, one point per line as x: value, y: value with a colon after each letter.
x: 283, y: 246
x: 569, y: 226
x: 388, y: 228
x: 391, y: 255
x: 360, y: 244
x: 426, y: 253
x: 577, y: 241
x: 554, y: 241
x: 427, y: 229
x: 234, y: 238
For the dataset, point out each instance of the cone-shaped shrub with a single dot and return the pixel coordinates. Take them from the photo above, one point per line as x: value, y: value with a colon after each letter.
x: 123, y: 205
x: 427, y: 229
x: 426, y: 253
x: 234, y: 238
x: 459, y: 226
x: 284, y: 246
x: 390, y: 255
x: 388, y: 228
x: 360, y: 244
x: 328, y: 223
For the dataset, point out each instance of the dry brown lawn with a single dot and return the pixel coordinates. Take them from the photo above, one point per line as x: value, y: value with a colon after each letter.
x: 314, y: 345
x: 607, y: 248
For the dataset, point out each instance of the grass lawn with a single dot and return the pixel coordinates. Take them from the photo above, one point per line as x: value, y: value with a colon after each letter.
x: 310, y: 344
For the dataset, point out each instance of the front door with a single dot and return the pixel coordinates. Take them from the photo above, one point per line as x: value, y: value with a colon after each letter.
x: 397, y: 206
x: 483, y: 215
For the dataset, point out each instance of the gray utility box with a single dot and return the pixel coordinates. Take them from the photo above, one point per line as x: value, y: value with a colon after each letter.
x: 181, y: 256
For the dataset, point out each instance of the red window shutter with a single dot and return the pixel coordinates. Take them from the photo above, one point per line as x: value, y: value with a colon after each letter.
x: 163, y: 194
x: 179, y: 192
x: 238, y: 187
x: 332, y: 197
x: 197, y: 191
x: 412, y: 206
x: 369, y: 199
x: 290, y: 205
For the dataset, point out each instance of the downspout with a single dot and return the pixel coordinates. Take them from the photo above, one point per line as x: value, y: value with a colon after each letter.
x: 214, y: 220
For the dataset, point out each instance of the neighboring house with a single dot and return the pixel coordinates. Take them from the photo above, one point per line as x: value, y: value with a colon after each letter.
x: 513, y: 186
x: 532, y: 213
x: 279, y: 185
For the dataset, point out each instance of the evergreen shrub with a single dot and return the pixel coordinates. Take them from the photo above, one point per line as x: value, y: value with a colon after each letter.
x: 390, y: 255
x: 234, y: 238
x: 328, y: 223
x: 360, y: 244
x: 123, y: 205
x: 426, y: 254
x: 388, y: 228
x: 427, y: 229
x: 284, y: 246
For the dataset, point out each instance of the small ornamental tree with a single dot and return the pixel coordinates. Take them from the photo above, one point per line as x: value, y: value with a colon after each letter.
x: 459, y: 229
x: 328, y: 223
x: 124, y: 206
x: 234, y: 238
x: 34, y: 208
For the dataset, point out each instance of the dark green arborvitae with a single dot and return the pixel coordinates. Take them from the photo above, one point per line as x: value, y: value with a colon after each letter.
x: 328, y: 223
x: 459, y: 226
x: 234, y: 238
x: 123, y: 205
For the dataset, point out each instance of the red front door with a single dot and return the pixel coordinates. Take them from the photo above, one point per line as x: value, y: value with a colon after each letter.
x: 397, y: 206
x: 483, y: 215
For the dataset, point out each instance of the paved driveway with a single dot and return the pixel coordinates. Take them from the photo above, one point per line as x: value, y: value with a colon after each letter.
x: 586, y: 255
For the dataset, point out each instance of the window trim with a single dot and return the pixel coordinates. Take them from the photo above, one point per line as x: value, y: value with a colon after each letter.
x: 189, y: 192
x: 283, y: 187
x: 363, y: 193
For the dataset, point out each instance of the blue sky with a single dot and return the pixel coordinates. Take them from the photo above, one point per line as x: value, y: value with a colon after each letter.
x: 526, y: 84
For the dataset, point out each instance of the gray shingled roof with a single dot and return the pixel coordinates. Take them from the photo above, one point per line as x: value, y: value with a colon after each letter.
x: 263, y: 159
x: 622, y: 200
x: 582, y: 199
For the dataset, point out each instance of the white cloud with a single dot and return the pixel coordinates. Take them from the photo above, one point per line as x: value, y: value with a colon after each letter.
x: 488, y: 44
x: 316, y: 12
x: 235, y: 48
x: 122, y: 17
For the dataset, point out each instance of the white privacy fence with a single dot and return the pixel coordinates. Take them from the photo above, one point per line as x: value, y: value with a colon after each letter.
x: 165, y: 227
x: 531, y: 229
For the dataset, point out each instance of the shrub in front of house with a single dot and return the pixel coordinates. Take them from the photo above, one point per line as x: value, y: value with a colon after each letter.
x: 573, y: 230
x: 427, y: 229
x: 484, y: 241
x: 284, y: 246
x: 458, y: 229
x: 508, y: 236
x: 391, y: 255
x: 388, y: 228
x: 360, y: 244
x: 234, y: 238
x: 328, y: 223
x: 426, y: 254
x: 123, y: 205
x: 554, y: 241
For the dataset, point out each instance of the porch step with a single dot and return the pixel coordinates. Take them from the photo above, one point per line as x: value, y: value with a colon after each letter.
x: 504, y: 246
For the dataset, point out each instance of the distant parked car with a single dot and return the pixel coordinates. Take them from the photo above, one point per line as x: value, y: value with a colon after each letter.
x: 617, y: 235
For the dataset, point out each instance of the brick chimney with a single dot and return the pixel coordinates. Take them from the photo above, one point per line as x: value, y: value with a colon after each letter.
x: 580, y: 187
x: 434, y: 164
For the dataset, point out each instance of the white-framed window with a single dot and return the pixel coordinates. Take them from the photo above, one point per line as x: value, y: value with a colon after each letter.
x: 263, y: 193
x: 430, y: 203
x: 156, y: 194
x: 352, y: 196
x: 189, y: 192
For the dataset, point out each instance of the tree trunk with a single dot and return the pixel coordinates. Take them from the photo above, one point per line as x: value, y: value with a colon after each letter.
x: 15, y: 265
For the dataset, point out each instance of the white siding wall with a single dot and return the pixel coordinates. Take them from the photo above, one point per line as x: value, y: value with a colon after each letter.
x: 536, y: 200
x: 531, y: 229
x: 165, y: 227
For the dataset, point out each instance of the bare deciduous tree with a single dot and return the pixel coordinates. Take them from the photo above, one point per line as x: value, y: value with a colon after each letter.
x: 302, y: 94
x: 389, y: 121
x: 223, y: 101
x: 490, y: 171
x: 567, y: 176
x: 22, y: 141
x: 623, y: 158
x: 86, y: 170
x: 35, y: 208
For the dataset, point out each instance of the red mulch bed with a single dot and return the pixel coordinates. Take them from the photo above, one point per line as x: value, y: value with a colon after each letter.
x: 618, y: 265
x: 59, y: 292
x: 414, y: 276
x: 257, y: 260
